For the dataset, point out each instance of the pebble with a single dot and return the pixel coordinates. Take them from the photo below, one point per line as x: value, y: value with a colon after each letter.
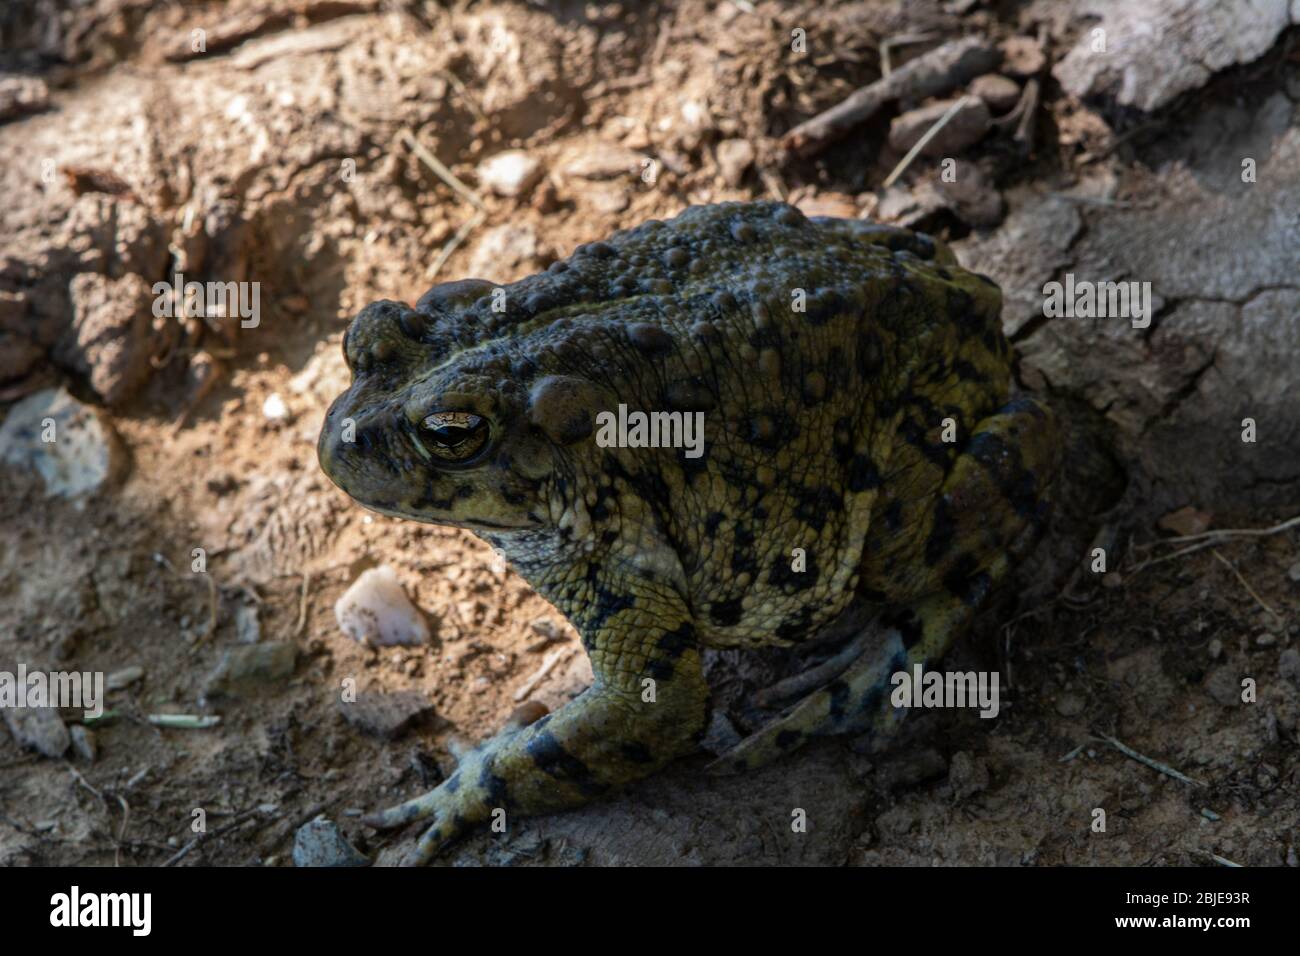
x: 385, y: 714
x: 248, y: 630
x: 835, y: 205
x: 735, y: 156
x: 84, y: 743
x: 605, y: 161
x: 123, y: 677
x: 84, y: 456
x: 376, y: 609
x: 1288, y: 665
x: 503, y: 252
x: 38, y: 728
x: 1022, y: 56
x: 968, y: 125
x: 967, y: 775
x: 274, y: 408
x: 1000, y: 93
x: 22, y: 94
x: 109, y: 339
x: 972, y: 196
x: 321, y: 843
x: 511, y: 173
x: 244, y: 668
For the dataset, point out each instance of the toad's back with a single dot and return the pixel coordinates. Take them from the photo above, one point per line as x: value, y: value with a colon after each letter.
x: 826, y: 357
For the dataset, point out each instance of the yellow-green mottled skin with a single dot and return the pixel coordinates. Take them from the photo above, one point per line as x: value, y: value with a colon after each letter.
x: 854, y: 382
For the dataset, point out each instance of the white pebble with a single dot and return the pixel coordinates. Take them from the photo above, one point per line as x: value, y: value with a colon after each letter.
x: 274, y: 408
x: 375, y: 608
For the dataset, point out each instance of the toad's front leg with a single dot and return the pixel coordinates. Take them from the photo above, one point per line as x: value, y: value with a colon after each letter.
x: 647, y: 705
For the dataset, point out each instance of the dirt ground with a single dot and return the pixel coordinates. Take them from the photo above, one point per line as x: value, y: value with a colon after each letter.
x: 281, y: 153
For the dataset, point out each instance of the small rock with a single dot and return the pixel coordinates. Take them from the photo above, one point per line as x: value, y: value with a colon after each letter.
x: 893, y: 825
x: 834, y: 205
x: 38, y: 728
x: 109, y: 339
x: 967, y: 775
x: 1070, y: 704
x: 376, y: 609
x: 529, y: 712
x: 124, y: 677
x: 972, y: 196
x: 242, y: 669
x: 511, y: 173
x: 1265, y: 640
x: 721, y: 735
x: 84, y: 743
x: 967, y: 126
x: 1293, y: 572
x: 1022, y: 56
x: 607, y: 198
x: 20, y: 95
x: 1186, y: 521
x: 385, y: 714
x: 1224, y: 685
x: 605, y: 161
x: 1215, y: 649
x: 504, y: 252
x: 999, y: 93
x: 248, y: 629
x: 84, y: 455
x: 321, y: 843
x: 1288, y: 666
x: 274, y: 409
x: 905, y: 207
x: 735, y: 156
x: 547, y: 629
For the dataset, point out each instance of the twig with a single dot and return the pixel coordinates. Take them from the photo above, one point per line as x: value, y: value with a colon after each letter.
x: 442, y: 172
x: 1223, y: 533
x: 903, y: 39
x: 183, y: 721
x: 1072, y: 754
x: 126, y: 811
x: 1147, y: 761
x: 455, y: 242
x: 921, y: 143
x: 1244, y: 583
x: 212, y: 614
x: 302, y: 604
x: 1222, y: 861
x: 238, y: 821
x: 936, y: 71
x: 1208, y: 539
x: 461, y: 89
x: 773, y: 183
x: 815, y: 677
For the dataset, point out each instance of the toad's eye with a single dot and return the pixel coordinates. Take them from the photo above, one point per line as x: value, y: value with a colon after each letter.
x: 454, y: 436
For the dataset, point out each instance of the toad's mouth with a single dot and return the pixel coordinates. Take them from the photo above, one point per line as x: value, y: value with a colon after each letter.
x: 469, y: 524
